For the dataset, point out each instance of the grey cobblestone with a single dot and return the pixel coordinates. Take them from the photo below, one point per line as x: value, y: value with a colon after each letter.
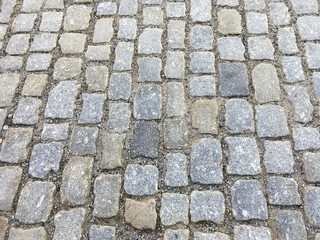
x: 27, y: 112
x: 201, y: 86
x: 38, y: 233
x: 51, y: 21
x: 106, y: 8
x: 279, y: 13
x: 38, y: 62
x: 176, y: 9
x: 10, y: 63
x: 92, y: 108
x: 77, y: 18
x: 97, y: 78
x: 180, y: 234
x: 309, y: 6
x: 98, y: 53
x: 293, y: 69
x: 18, y: 44
x: 243, y: 232
x: 176, y: 33
x: 176, y: 104
x: 311, y: 207
x: 152, y: 16
x: 306, y: 138
x: 128, y: 7
x: 200, y: 10
x: 119, y: 86
x: 175, y: 133
x: 175, y: 65
x: 291, y: 225
x: 309, y: 27
x: 260, y: 48
x: 83, y: 140
x: 55, y: 131
x: 8, y: 85
x: 34, y: 85
x: 98, y: 232
x: 312, y: 166
x: 202, y: 62
x: 112, y: 153
x: 231, y: 48
x: 208, y: 236
x: 124, y: 54
x: 150, y: 41
x: 127, y: 28
x: 312, y: 53
x: 72, y: 43
x: 287, y: 40
x: 176, y: 174
x: 257, y: 23
x: 119, y: 117
x: 174, y: 209
x: 201, y: 37
x: 44, y: 42
x: 66, y: 68
x: 229, y: 21
x: 149, y: 69
x: 23, y: 23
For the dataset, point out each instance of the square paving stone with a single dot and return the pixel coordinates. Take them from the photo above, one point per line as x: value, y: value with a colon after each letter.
x: 68, y: 224
x: 257, y: 23
x: 18, y: 44
x: 15, y: 145
x: 176, y: 33
x: 38, y: 233
x: 10, y: 63
x: 149, y: 69
x: 106, y: 8
x: 98, y: 53
x: 112, y: 152
x: 239, y: 115
x: 229, y: 21
x: 128, y: 7
x: 54, y: 4
x: 176, y: 104
x: 291, y: 225
x: 150, y: 41
x: 248, y: 200
x: 107, y: 195
x: 201, y: 37
x: 210, y: 236
x: 67, y: 68
x: 307, y: 6
x: 206, y: 157
x: 271, y: 121
x: 61, y: 100
x: 231, y: 48
x: 292, y: 67
x: 312, y: 205
x: 119, y: 117
x: 180, y: 234
x: 287, y: 40
x: 201, y: 86
x: 147, y: 102
x: 23, y: 23
x: 174, y: 209
x: 10, y: 177
x: 58, y: 131
x: 45, y: 157
x: 72, y: 43
x: 244, y: 156
x: 243, y: 232
x: 254, y: 5
x: 233, y: 79
x: 283, y: 191
x: 92, y: 108
x: 99, y: 232
x: 260, y: 48
x: 8, y: 85
x: 27, y: 112
x: 312, y: 166
x: 141, y: 180
x: 306, y: 138
x: 201, y: 10
x: 275, y: 150
x: 174, y: 65
x: 35, y: 202
x: 308, y: 27
x: 176, y: 9
x: 279, y: 14
x: 103, y: 30
x: 175, y: 133
x: 127, y: 28
x: 145, y: 140
x: 44, y: 42
x: 202, y: 62
x: 83, y: 140
x: 31, y: 5
x: 313, y: 53
x: 35, y: 85
x: 97, y: 78
x: 176, y: 173
x: 152, y: 16
x: 119, y: 86
x: 77, y: 18
x: 76, y: 181
x: 51, y: 21
x: 38, y: 62
x: 124, y: 55
x: 141, y: 214
x: 207, y: 206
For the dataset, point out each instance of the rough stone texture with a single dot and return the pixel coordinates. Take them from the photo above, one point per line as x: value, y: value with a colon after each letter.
x: 174, y: 65
x: 76, y: 179
x: 301, y: 102
x: 128, y: 7
x: 239, y: 115
x: 31, y: 5
x: 202, y: 62
x: 312, y: 53
x: 68, y: 224
x: 150, y: 41
x: 67, y: 68
x: 98, y: 53
x: 316, y: 84
x: 38, y: 233
x: 308, y: 6
x: 112, y: 153
x: 248, y: 201
x: 257, y: 23
x: 206, y: 157
x: 231, y: 48
x: 119, y: 117
x: 27, y: 112
x: 3, y: 116
x: 83, y: 140
x: 15, y: 146
x: 72, y: 43
x: 210, y: 236
x: 291, y: 225
x: 175, y: 133
x: 141, y: 214
x: 244, y: 156
x: 35, y: 202
x: 306, y: 138
x: 127, y: 28
x: 45, y: 157
x: 51, y: 21
x: 254, y: 4
x: 8, y: 85
x: 77, y: 18
x: 35, y: 85
x: 176, y: 9
x: 204, y: 115
x: 231, y: 3
x: 55, y: 131
x: 200, y: 10
x: 287, y: 40
x: 149, y: 69
x: 229, y: 21
x: 207, y: 206
x: 107, y: 195
x: 174, y: 209
x: 309, y: 27
x: 18, y: 44
x: 279, y: 13
x: 176, y: 105
x: 275, y: 150
x: 244, y: 232
x: 180, y: 234
x: 176, y: 32
x: 147, y: 102
x: 233, y: 79
x: 97, y: 78
x: 312, y: 205
x: 201, y: 86
x: 10, y: 63
x: 99, y: 232
x: 260, y: 48
x: 266, y: 83
x: 10, y: 177
x: 124, y: 54
x: 152, y: 16
x: 38, y: 62
x: 201, y: 37
x: 145, y: 140
x: 176, y: 174
x: 119, y: 86
x: 61, y: 100
x: 312, y: 166
x: 92, y: 108
x: 106, y: 8
x: 23, y: 23
x: 141, y: 180
x: 292, y: 67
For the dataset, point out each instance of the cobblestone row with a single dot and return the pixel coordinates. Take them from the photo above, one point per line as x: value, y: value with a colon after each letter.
x: 159, y: 119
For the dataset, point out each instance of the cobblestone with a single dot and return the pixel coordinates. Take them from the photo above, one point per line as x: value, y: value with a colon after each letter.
x: 200, y: 10
x: 98, y: 232
x: 119, y: 86
x: 291, y: 225
x: 175, y: 133
x: 176, y: 105
x: 124, y: 54
x: 112, y: 154
x: 208, y: 236
x: 174, y: 209
x: 306, y: 138
x: 23, y: 23
x: 51, y: 21
x: 175, y: 65
x: 98, y: 53
x: 150, y: 41
x: 180, y: 234
x: 119, y: 117
x: 38, y: 62
x: 149, y: 69
x: 176, y: 9
x: 257, y: 23
x: 27, y: 112
x: 127, y: 28
x: 229, y: 21
x: 77, y: 18
x: 243, y: 232
x: 279, y: 13
x: 201, y: 86
x: 260, y: 48
x: 231, y: 48
x: 287, y: 40
x: 92, y: 108
x: 35, y: 85
x: 72, y: 43
x: 83, y: 140
x: 28, y: 234
x: 176, y: 33
x: 312, y: 166
x: 97, y: 78
x: 18, y: 44
x: 176, y: 174
x: 10, y: 63
x: 293, y: 69
x: 202, y: 62
x: 312, y: 208
x: 55, y: 131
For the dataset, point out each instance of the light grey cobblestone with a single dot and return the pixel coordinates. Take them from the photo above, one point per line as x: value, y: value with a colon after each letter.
x: 287, y: 40
x: 202, y: 62
x: 10, y: 63
x: 128, y: 7
x: 231, y: 48
x: 174, y: 209
x: 127, y: 28
x: 312, y: 53
x: 44, y: 42
x: 176, y: 174
x: 200, y: 10
x: 55, y: 131
x: 176, y: 104
x: 309, y: 6
x: 229, y: 21
x: 201, y: 86
x: 180, y: 234
x: 27, y: 112
x: 312, y: 166
x: 38, y: 233
x: 176, y: 33
x: 201, y: 37
x: 175, y: 133
x: 77, y: 18
x: 309, y: 27
x: 83, y: 140
x: 98, y: 53
x: 72, y: 43
x: 312, y: 208
x: 67, y: 68
x: 23, y: 23
x: 279, y: 13
x: 260, y: 48
x: 124, y: 54
x: 292, y: 67
x: 150, y: 41
x: 174, y: 65
x: 149, y: 69
x: 208, y: 236
x: 8, y: 85
x: 257, y: 23
x: 92, y: 108
x: 176, y: 9
x: 119, y: 117
x: 306, y: 138
x: 106, y: 8
x: 97, y: 78
x: 243, y: 232
x: 152, y: 16
x: 18, y: 44
x: 99, y: 232
x: 291, y: 225
x: 51, y: 21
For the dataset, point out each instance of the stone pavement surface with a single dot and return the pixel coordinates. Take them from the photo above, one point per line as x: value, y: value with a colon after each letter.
x: 160, y: 119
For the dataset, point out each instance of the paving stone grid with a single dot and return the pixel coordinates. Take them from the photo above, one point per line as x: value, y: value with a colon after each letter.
x: 160, y: 119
